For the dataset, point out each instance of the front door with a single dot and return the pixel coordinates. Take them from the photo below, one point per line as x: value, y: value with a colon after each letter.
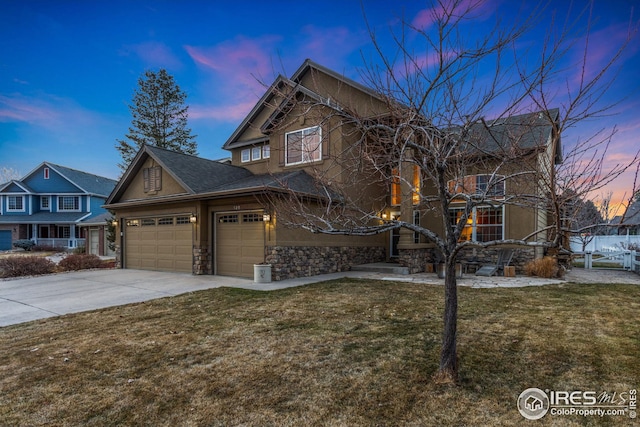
x: 395, y: 237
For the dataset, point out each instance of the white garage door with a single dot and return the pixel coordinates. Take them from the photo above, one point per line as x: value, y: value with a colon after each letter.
x: 239, y: 243
x: 162, y: 243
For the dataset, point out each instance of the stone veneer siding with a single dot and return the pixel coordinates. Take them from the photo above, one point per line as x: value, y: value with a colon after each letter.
x: 289, y: 262
x: 418, y: 259
x: 201, y: 261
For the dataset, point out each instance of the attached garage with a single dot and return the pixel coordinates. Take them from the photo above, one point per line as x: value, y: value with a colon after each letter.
x: 5, y: 240
x: 240, y: 242
x: 159, y: 243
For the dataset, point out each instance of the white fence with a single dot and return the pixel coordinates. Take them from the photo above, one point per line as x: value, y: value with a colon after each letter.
x: 605, y: 243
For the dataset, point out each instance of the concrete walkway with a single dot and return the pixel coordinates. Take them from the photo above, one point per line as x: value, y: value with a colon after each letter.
x: 26, y: 299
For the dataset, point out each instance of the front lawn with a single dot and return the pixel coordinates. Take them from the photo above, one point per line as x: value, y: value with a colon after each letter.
x: 340, y: 353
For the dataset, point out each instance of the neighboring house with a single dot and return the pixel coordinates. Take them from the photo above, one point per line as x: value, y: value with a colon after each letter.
x: 49, y: 204
x: 629, y: 224
x: 177, y: 212
x: 95, y: 231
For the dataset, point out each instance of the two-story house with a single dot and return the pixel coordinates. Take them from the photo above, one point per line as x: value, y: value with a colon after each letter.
x: 177, y: 212
x: 48, y: 205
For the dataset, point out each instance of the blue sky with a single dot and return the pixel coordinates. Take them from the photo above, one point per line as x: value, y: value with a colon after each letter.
x: 68, y: 68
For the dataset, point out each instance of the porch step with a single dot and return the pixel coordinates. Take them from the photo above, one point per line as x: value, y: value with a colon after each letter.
x: 382, y: 267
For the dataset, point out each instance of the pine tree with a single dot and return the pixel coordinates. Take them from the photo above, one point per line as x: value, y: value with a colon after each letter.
x: 159, y: 118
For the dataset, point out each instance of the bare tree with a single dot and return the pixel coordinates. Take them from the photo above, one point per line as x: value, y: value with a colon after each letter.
x: 8, y: 174
x: 435, y: 125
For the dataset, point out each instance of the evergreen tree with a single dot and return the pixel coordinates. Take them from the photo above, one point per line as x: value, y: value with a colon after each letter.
x: 159, y: 118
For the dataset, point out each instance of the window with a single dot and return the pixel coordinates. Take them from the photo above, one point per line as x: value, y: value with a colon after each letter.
x: 303, y: 146
x: 396, y: 187
x: 44, y: 203
x: 416, y: 221
x: 146, y: 222
x: 478, y: 184
x: 64, y: 231
x: 15, y: 203
x: 231, y: 218
x: 253, y: 217
x: 46, y: 173
x: 266, y: 151
x: 165, y: 221
x: 68, y: 203
x: 245, y: 155
x: 256, y: 153
x: 181, y: 220
x: 152, y: 179
x: 485, y: 224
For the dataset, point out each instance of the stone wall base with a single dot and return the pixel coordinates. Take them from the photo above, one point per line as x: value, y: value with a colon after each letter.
x: 289, y: 262
x: 422, y: 260
x: 201, y: 261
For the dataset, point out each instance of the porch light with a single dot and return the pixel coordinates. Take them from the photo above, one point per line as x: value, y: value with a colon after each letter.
x: 384, y: 215
x: 266, y: 217
x: 114, y: 222
x: 193, y: 219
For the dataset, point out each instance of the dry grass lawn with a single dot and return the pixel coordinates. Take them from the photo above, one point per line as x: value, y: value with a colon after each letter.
x: 343, y: 353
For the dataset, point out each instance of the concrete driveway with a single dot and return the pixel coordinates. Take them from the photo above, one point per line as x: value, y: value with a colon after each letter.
x: 26, y: 299
x: 22, y: 300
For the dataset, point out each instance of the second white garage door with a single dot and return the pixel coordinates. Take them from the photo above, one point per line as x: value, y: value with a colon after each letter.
x: 239, y: 243
x: 163, y: 243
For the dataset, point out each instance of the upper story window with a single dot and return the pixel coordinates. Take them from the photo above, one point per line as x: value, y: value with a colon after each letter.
x: 255, y: 153
x: 303, y: 146
x: 245, y: 155
x: 44, y: 203
x: 396, y: 187
x: 68, y: 203
x: 46, y: 173
x: 15, y: 203
x: 152, y: 179
x: 489, y: 185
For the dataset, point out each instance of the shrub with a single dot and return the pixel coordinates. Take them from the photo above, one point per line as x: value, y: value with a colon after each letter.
x: 546, y: 267
x: 17, y: 266
x: 25, y: 244
x: 80, y: 250
x: 80, y: 262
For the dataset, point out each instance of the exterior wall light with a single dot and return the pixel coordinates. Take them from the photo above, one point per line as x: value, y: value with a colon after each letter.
x: 266, y: 217
x: 193, y: 219
x: 384, y: 215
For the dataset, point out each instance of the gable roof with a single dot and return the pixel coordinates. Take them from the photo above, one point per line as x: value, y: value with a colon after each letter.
x: 15, y: 187
x: 90, y: 183
x: 195, y: 174
x: 530, y: 131
x: 86, y: 182
x: 203, y: 178
x: 296, y: 87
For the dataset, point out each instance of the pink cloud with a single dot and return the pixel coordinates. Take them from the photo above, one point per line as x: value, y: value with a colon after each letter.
x: 17, y: 108
x: 232, y: 112
x: 480, y: 10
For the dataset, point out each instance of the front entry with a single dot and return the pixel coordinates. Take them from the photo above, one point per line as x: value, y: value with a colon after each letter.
x: 395, y: 237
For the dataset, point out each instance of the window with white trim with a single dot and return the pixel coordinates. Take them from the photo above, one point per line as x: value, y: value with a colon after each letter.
x: 44, y: 203
x: 303, y: 146
x: 245, y: 155
x: 484, y: 184
x: 15, y: 203
x: 256, y: 153
x: 68, y: 203
x: 266, y: 151
x: 46, y: 173
x: 485, y: 224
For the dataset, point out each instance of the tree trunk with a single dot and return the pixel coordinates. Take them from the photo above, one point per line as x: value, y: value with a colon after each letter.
x: 449, y: 355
